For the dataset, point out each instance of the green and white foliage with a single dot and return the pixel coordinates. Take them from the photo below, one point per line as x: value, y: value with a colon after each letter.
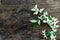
x: 44, y: 34
x: 52, y: 36
x: 45, y: 18
x: 35, y: 9
x: 34, y: 21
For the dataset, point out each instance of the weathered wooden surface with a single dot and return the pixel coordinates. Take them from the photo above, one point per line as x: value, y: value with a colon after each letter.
x: 15, y: 16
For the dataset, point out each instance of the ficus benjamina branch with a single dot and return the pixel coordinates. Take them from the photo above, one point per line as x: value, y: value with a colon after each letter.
x: 45, y: 18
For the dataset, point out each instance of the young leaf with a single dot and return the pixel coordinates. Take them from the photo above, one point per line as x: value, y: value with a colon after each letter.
x: 39, y: 22
x: 44, y: 34
x: 41, y: 10
x: 35, y: 9
x: 45, y: 13
x: 33, y: 21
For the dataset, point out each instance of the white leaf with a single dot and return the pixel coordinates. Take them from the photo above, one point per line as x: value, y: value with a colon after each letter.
x: 44, y: 21
x: 56, y: 22
x: 43, y: 31
x: 33, y: 9
x: 45, y: 13
x: 39, y: 17
x: 35, y: 6
x: 57, y: 26
x: 53, y: 37
x: 33, y: 21
x: 53, y: 18
x: 39, y: 22
x: 41, y: 10
x: 55, y: 30
x: 35, y: 13
x: 44, y: 34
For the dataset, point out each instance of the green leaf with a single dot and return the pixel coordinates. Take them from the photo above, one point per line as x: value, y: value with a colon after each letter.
x: 49, y: 17
x: 35, y: 25
x: 55, y: 33
x: 48, y: 33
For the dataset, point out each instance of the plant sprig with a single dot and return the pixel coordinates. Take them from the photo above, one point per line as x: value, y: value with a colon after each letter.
x: 51, y: 21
